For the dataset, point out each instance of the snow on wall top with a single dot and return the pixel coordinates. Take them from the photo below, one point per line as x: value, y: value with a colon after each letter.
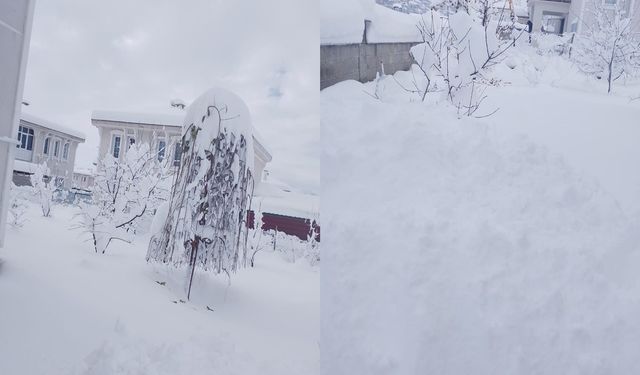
x: 343, y: 23
x: 51, y: 125
x: 24, y: 166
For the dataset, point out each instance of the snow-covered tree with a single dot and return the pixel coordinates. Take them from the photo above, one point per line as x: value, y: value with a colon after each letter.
x: 17, y: 205
x: 43, y: 186
x: 456, y: 55
x: 125, y: 191
x: 205, y: 226
x: 608, y: 48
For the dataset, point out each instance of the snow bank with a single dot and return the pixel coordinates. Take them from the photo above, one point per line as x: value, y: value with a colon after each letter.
x: 452, y: 248
x: 342, y: 22
x: 65, y: 310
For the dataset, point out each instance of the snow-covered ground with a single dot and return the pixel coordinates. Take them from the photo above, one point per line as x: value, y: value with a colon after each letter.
x: 67, y: 310
x: 503, y: 245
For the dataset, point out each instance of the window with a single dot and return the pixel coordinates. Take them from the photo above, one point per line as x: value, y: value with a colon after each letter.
x: 610, y: 3
x: 56, y: 148
x: 177, y: 154
x: 46, y: 146
x: 25, y: 137
x: 161, y: 149
x: 132, y: 141
x: 65, y: 151
x: 115, y: 146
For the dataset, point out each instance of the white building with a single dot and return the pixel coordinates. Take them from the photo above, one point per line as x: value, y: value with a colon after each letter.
x: 84, y: 178
x: 568, y: 16
x: 117, y: 130
x: 42, y: 141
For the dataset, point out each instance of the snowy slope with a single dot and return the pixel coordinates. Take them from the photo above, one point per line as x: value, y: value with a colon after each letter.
x: 460, y: 247
x: 66, y: 310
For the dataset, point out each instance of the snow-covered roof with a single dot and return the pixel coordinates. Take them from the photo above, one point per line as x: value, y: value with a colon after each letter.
x: 342, y: 22
x: 163, y: 119
x: 160, y: 119
x: 24, y: 166
x: 24, y: 116
x: 272, y: 197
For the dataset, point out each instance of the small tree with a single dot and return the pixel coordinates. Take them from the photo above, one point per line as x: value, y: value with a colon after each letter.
x: 456, y: 54
x: 608, y: 48
x: 17, y: 206
x: 42, y: 183
x: 206, y: 222
x: 124, y: 192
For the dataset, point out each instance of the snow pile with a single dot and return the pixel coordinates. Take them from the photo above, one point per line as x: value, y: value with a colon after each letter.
x: 451, y: 248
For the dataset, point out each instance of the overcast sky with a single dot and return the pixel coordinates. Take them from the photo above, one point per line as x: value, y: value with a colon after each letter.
x: 138, y: 55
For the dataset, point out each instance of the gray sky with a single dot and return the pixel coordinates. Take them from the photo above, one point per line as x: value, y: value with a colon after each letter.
x: 138, y: 55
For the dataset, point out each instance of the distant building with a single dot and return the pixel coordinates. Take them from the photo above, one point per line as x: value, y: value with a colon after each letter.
x: 84, y: 178
x: 42, y: 141
x: 118, y: 130
x: 568, y: 16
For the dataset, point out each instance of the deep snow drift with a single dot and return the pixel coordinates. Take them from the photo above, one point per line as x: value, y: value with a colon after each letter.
x: 502, y: 245
x: 67, y: 310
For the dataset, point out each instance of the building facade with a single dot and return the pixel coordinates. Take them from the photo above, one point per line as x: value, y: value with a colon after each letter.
x: 41, y: 141
x: 576, y: 16
x: 118, y: 130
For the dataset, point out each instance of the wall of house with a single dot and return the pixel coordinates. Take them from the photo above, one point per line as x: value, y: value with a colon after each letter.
x: 150, y: 134
x: 362, y: 61
x: 58, y: 166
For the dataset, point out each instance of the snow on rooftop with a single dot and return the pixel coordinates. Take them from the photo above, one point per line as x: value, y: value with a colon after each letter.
x: 165, y: 119
x: 51, y: 125
x: 343, y: 23
x: 275, y: 197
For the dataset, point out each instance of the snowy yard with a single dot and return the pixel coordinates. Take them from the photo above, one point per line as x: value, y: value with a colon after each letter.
x: 66, y: 309
x: 506, y: 244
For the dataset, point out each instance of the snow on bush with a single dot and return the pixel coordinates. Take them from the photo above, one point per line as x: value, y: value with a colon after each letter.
x: 43, y: 187
x: 456, y: 55
x: 125, y: 191
x: 497, y: 257
x: 205, y: 225
x: 18, y: 205
x: 609, y: 48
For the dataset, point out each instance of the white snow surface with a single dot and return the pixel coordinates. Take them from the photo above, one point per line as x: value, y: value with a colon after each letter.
x: 342, y: 22
x: 66, y: 310
x: 505, y: 245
